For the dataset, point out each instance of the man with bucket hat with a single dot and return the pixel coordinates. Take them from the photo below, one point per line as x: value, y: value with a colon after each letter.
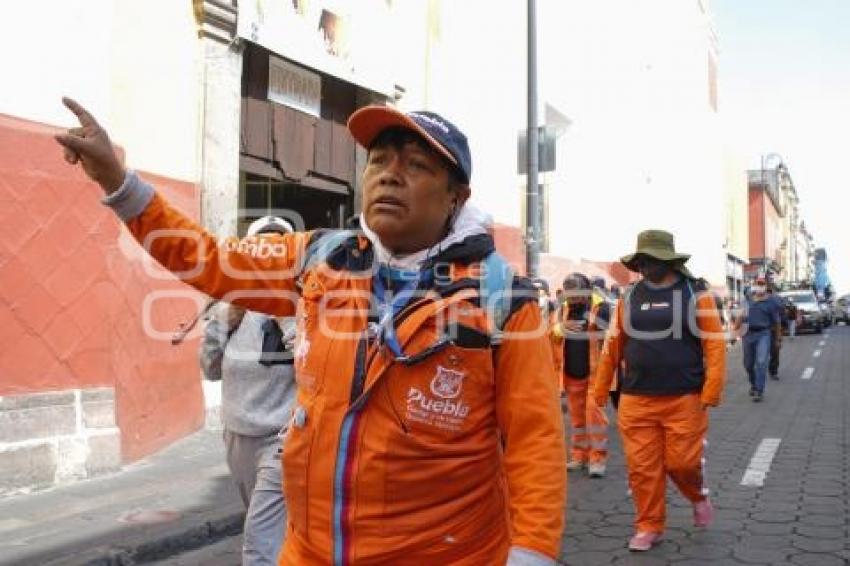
x: 667, y: 329
x: 426, y: 427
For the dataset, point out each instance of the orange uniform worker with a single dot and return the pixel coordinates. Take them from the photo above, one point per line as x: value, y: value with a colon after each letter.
x: 418, y: 437
x: 668, y: 331
x: 549, y: 312
x: 589, y: 423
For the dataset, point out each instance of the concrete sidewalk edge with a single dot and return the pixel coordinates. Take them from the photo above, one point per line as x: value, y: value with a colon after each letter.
x: 146, y: 548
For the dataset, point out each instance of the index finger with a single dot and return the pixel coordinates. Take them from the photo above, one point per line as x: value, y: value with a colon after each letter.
x: 81, y: 113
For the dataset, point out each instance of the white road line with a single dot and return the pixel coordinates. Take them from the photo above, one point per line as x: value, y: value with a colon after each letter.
x: 816, y: 354
x: 756, y: 472
x: 808, y: 373
x: 822, y: 343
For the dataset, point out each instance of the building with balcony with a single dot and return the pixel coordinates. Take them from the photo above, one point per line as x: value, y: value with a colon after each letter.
x: 780, y: 244
x: 233, y: 110
x: 767, y: 210
x: 805, y: 255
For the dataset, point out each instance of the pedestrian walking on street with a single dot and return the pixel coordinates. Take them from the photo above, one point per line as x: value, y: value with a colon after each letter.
x: 426, y: 428
x: 549, y: 312
x: 759, y: 321
x: 252, y: 355
x: 791, y: 314
x: 589, y: 423
x: 776, y: 334
x: 668, y: 331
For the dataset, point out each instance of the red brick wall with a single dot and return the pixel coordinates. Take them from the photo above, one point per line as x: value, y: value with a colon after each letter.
x: 72, y: 292
x: 756, y: 212
x: 510, y: 245
x: 554, y: 269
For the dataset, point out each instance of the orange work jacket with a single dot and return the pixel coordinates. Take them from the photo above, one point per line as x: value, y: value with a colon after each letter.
x: 452, y: 459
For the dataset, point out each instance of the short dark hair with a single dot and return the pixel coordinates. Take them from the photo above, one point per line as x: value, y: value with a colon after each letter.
x: 576, y: 281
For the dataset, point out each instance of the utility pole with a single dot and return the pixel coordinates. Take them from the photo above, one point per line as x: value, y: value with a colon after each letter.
x: 532, y: 214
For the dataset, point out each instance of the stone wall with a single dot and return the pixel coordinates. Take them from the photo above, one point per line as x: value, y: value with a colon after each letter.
x: 81, y: 306
x: 52, y: 438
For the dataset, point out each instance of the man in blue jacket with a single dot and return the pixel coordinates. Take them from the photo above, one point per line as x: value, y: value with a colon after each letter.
x: 759, y: 321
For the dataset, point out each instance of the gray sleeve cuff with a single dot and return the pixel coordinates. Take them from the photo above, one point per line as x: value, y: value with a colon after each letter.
x: 519, y: 556
x: 131, y: 198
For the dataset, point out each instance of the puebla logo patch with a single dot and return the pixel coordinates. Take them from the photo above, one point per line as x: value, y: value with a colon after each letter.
x: 447, y: 383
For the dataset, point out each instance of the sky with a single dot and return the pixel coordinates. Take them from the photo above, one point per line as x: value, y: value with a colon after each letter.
x: 784, y: 82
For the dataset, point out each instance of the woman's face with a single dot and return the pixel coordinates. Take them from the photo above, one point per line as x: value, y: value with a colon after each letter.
x: 575, y: 293
x: 652, y: 269
x: 407, y: 194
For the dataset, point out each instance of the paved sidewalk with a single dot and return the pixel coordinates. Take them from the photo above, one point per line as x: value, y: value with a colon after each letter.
x: 176, y: 500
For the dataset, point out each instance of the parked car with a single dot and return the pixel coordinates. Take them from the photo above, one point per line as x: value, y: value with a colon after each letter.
x: 828, y: 313
x: 842, y: 310
x: 810, y: 315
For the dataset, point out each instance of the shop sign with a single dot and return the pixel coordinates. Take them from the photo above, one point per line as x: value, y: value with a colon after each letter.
x: 294, y: 86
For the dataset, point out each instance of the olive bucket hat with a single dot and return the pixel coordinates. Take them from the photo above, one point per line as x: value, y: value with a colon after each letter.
x: 659, y: 245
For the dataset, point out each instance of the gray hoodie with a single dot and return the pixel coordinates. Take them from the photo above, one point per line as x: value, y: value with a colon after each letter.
x: 255, y: 399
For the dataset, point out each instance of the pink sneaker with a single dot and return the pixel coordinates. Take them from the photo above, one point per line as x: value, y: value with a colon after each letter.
x: 643, y: 541
x: 703, y: 513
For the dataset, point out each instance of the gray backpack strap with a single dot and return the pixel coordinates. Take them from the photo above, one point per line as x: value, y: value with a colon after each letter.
x: 628, y: 292
x: 496, y: 292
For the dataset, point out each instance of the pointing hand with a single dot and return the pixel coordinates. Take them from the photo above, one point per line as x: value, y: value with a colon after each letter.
x: 89, y: 146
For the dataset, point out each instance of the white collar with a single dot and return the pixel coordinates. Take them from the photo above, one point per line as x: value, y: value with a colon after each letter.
x: 470, y: 221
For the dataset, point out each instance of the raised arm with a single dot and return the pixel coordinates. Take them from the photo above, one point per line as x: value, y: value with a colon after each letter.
x: 259, y: 275
x: 713, y: 341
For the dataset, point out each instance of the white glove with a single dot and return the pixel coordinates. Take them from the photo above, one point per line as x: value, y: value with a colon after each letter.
x: 519, y: 556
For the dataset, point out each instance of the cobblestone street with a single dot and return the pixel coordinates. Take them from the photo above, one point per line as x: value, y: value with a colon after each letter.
x: 800, y: 514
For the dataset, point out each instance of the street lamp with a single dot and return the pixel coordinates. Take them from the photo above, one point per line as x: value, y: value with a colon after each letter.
x: 532, y: 189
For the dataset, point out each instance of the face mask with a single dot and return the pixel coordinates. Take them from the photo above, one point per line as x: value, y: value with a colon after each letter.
x: 654, y: 270
x: 759, y: 289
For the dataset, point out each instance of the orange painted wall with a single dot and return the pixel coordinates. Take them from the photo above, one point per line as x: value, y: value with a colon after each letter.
x: 72, y: 295
x: 510, y: 245
x: 554, y: 269
x: 756, y: 209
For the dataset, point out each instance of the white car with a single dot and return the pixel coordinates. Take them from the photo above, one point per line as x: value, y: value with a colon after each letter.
x: 810, y: 315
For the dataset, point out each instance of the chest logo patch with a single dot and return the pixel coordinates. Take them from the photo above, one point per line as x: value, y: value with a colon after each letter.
x: 447, y: 383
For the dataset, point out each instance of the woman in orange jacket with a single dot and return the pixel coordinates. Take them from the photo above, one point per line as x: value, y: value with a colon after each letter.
x: 589, y: 423
x: 668, y: 331
x: 426, y: 428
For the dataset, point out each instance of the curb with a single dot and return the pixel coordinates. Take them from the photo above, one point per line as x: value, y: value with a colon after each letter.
x: 158, y: 545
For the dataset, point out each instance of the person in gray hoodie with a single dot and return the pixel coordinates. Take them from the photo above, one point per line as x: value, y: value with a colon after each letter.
x: 251, y: 353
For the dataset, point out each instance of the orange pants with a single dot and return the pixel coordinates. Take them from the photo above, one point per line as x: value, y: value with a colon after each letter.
x: 662, y: 436
x: 589, y: 441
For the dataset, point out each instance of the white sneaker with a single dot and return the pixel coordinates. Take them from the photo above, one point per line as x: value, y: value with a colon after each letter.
x: 596, y: 470
x: 574, y: 465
